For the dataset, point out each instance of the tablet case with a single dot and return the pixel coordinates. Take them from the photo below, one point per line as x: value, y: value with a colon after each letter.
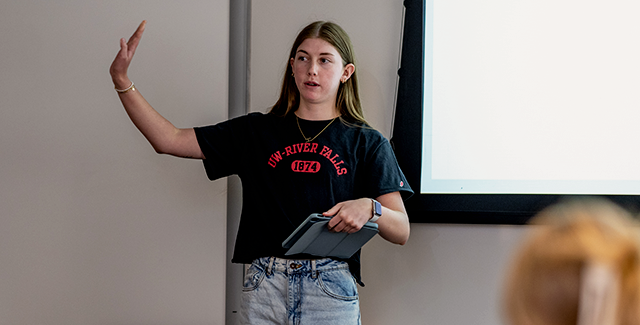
x: 313, y: 237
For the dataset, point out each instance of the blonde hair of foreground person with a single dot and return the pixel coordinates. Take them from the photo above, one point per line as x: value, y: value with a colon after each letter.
x: 580, y: 265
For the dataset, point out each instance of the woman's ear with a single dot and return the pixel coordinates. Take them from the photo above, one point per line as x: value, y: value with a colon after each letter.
x: 347, y: 71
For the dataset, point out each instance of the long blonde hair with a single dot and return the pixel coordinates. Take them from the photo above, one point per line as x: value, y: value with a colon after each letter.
x: 546, y: 283
x: 348, y: 98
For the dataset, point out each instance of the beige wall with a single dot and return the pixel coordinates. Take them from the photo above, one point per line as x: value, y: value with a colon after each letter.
x: 95, y: 228
x: 446, y: 274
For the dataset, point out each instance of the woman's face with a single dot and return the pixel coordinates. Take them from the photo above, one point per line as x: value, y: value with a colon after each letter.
x: 318, y: 71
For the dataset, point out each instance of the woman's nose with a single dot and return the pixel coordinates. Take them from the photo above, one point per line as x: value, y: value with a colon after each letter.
x: 313, y: 70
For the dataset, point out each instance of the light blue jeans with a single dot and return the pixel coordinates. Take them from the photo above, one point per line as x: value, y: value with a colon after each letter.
x: 307, y: 292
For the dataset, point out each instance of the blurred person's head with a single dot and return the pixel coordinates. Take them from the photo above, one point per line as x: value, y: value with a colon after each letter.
x: 579, y: 265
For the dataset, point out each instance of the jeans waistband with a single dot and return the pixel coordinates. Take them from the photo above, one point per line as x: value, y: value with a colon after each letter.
x: 276, y: 264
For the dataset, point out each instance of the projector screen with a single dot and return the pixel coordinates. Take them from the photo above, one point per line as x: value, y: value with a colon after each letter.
x: 519, y: 101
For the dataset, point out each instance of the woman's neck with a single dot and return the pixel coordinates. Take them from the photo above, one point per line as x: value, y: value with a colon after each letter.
x: 316, y: 113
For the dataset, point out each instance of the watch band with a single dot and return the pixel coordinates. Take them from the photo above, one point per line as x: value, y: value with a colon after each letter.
x: 377, y: 211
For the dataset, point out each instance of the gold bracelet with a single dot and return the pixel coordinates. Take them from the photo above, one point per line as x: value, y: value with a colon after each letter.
x: 122, y: 91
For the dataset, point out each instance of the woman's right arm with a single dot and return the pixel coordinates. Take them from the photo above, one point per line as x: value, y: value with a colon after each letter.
x: 163, y: 136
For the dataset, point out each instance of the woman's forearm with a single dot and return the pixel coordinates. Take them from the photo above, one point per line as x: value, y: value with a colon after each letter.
x: 393, y: 225
x: 163, y: 136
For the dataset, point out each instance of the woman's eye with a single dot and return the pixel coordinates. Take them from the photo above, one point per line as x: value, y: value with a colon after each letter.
x: 325, y: 60
x: 302, y: 58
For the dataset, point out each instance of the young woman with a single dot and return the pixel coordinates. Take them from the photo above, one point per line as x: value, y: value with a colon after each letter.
x: 313, y: 152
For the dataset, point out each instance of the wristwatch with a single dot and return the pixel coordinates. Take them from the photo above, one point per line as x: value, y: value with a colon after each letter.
x: 377, y: 211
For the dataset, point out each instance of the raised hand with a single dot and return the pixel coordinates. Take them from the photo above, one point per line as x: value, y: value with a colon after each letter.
x: 123, y: 59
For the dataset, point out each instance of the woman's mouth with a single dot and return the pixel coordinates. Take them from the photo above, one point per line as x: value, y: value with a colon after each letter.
x: 311, y: 84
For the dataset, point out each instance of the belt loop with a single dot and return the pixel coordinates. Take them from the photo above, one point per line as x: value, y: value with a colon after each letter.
x: 314, y: 272
x: 270, y: 266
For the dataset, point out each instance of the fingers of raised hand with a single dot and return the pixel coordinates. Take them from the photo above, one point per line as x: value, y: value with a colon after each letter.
x: 120, y: 64
x: 122, y: 59
x: 141, y: 27
x: 123, y: 46
x: 137, y: 35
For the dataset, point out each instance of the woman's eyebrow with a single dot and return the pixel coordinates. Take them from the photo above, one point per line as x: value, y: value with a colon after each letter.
x: 305, y: 52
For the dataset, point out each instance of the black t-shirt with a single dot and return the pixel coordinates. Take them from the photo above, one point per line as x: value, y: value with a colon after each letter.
x: 284, y: 179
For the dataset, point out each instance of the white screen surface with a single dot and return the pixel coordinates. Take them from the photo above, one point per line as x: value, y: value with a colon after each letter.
x: 532, y: 97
